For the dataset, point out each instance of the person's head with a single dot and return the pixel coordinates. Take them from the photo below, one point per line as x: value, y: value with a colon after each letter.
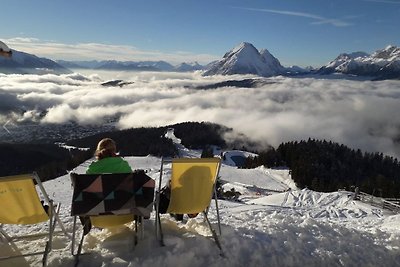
x: 106, y: 148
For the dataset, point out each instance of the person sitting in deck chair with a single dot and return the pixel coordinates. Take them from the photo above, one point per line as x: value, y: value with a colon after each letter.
x: 107, y: 161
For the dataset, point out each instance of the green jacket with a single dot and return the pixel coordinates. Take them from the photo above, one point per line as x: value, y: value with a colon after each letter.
x: 109, y: 165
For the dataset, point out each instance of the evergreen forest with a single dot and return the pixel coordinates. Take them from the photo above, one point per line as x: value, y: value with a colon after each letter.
x: 326, y: 166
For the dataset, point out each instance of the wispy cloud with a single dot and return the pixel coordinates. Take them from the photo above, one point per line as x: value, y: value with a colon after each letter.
x: 90, y: 51
x: 317, y: 19
x: 383, y: 1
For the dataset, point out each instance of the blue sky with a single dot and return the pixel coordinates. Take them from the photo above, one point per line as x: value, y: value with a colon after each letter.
x: 297, y: 32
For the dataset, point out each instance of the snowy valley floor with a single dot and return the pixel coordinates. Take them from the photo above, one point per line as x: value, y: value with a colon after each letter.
x: 267, y: 228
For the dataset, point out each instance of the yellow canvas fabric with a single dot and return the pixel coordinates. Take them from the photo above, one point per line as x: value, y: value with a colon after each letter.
x: 109, y: 221
x: 192, y: 182
x: 20, y: 203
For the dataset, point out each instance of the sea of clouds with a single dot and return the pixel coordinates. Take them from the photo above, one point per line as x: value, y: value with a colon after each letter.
x: 359, y: 114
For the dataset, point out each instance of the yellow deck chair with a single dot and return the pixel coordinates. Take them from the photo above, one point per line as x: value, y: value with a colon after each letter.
x: 192, y: 185
x: 21, y: 205
x: 104, y: 222
x: 110, y: 221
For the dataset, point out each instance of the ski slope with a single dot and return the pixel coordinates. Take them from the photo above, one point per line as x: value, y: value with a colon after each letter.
x: 272, y: 224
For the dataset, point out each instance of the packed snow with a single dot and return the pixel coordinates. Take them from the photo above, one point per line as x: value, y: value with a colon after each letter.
x: 273, y: 223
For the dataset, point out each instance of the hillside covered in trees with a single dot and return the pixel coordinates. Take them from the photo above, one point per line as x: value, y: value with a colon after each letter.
x: 48, y: 160
x: 132, y: 142
x: 327, y: 166
x: 199, y: 135
x: 51, y: 160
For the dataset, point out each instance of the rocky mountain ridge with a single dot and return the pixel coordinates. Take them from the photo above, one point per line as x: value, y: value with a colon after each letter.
x: 382, y: 64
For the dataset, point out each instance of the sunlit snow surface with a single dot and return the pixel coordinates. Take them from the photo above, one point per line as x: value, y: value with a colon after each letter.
x: 274, y: 224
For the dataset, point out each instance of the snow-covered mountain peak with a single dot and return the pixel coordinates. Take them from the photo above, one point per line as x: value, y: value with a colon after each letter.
x: 192, y: 64
x: 188, y: 66
x: 344, y: 59
x: 390, y: 52
x: 243, y: 52
x: 266, y: 54
x: 244, y: 48
x: 347, y: 56
x: 390, y: 47
x: 246, y: 59
x: 270, y: 60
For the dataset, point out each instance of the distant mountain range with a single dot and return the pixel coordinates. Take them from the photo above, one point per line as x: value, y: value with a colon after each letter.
x: 382, y: 64
x: 131, y: 65
x: 243, y: 59
x: 246, y: 59
x: 24, y: 63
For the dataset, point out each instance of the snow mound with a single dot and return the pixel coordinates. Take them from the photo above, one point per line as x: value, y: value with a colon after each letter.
x: 317, y: 205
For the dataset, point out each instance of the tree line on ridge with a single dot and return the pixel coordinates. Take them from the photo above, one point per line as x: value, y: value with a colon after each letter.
x: 326, y: 166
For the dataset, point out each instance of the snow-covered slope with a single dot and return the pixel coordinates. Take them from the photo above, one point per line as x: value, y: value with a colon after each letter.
x: 258, y: 181
x: 246, y: 59
x: 24, y: 63
x: 383, y: 64
x: 265, y: 228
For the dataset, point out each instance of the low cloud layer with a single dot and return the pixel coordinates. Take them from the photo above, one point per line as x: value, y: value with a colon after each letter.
x: 359, y: 114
